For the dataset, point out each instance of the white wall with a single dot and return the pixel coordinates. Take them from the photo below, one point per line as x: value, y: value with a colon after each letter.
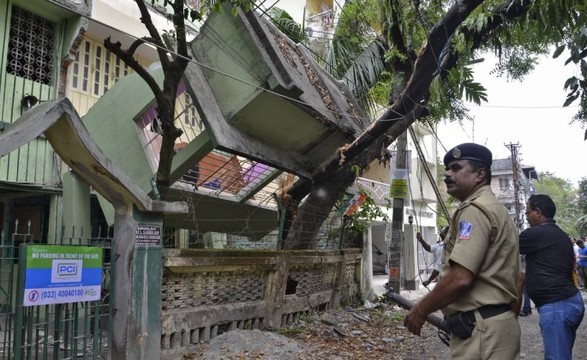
x: 125, y: 15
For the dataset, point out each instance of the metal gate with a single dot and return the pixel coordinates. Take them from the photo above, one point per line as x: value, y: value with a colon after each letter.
x: 60, y: 331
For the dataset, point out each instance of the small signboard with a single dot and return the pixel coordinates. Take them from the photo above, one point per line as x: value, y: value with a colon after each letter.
x: 399, y: 184
x: 148, y: 235
x: 57, y: 274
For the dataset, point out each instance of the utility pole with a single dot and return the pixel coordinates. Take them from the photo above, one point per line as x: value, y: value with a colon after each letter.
x: 515, y: 168
x: 397, y: 221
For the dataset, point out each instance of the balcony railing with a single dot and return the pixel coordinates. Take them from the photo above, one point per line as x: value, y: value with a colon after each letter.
x: 378, y: 191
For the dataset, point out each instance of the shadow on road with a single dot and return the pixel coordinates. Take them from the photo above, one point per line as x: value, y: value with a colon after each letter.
x: 531, y: 342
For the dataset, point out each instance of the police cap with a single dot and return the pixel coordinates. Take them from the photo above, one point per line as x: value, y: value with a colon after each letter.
x: 469, y: 151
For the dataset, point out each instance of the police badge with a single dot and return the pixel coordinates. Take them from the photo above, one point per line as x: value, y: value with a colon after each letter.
x: 456, y: 153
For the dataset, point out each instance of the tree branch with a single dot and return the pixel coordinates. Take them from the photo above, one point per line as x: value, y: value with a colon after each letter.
x: 138, y: 42
x: 403, y: 112
x: 128, y: 59
x: 179, y: 24
x: 501, y: 15
x: 366, y: 147
x: 415, y: 92
x: 332, y: 183
x: 394, y: 34
x: 158, y: 42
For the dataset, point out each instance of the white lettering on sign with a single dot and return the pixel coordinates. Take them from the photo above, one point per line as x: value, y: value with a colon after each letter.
x: 148, y: 235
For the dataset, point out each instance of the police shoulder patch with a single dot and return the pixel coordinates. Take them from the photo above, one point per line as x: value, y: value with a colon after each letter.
x: 465, y: 230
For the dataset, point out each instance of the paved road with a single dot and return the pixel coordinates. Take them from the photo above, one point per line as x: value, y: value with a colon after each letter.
x: 531, y: 339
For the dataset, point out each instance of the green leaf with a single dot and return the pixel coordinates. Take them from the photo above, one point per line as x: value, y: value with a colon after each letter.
x: 570, y: 99
x: 558, y: 51
x: 568, y: 60
x: 572, y: 81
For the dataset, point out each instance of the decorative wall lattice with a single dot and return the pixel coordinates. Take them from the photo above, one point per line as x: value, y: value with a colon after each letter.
x: 211, y: 288
x: 204, y: 296
x: 313, y: 279
x: 31, y: 46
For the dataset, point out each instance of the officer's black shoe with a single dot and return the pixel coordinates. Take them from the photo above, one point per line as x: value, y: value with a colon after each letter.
x: 525, y: 313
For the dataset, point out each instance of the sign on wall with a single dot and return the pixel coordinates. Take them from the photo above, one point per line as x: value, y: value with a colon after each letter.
x: 148, y: 235
x: 62, y: 274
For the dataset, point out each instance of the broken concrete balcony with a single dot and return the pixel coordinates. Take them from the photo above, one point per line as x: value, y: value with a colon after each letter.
x: 252, y: 106
x: 264, y: 96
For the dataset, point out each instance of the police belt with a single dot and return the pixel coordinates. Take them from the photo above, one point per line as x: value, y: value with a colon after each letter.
x: 487, y: 311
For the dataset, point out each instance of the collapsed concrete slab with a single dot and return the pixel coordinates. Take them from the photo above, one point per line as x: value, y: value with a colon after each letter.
x: 264, y: 96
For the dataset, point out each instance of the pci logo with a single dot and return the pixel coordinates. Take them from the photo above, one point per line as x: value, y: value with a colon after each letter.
x: 66, y: 271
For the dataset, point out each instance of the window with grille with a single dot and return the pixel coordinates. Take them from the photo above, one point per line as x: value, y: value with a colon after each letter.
x: 95, y: 69
x: 81, y: 68
x: 186, y: 118
x: 30, y: 47
x: 190, y: 113
x: 151, y: 135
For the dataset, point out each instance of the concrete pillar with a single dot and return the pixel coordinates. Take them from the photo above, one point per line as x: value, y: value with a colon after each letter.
x: 410, y: 251
x: 76, y: 206
x: 136, y: 297
x: 55, y: 230
x: 367, y: 264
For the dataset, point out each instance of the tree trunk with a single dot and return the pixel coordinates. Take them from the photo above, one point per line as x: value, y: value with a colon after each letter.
x: 309, y: 219
x: 329, y: 182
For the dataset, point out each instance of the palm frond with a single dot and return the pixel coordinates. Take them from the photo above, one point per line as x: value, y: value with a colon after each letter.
x: 287, y: 25
x: 359, y: 67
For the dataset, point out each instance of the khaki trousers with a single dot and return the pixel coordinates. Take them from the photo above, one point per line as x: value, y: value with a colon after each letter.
x: 495, y: 338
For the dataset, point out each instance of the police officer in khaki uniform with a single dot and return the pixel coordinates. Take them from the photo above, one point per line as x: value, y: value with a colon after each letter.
x: 479, y: 285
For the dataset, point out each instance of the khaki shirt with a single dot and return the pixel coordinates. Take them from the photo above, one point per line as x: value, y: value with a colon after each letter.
x: 495, y: 260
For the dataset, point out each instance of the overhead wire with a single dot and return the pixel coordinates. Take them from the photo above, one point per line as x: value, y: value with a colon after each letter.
x: 418, y: 212
x: 237, y: 54
x: 417, y: 219
x: 213, y: 69
x: 423, y: 160
x: 239, y: 59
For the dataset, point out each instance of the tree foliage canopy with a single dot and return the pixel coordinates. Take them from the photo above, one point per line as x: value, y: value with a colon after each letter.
x: 426, y: 72
x: 564, y: 196
x: 581, y: 224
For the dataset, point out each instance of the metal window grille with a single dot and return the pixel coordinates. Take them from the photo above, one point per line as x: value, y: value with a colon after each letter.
x: 191, y: 116
x: 186, y: 117
x: 31, y: 46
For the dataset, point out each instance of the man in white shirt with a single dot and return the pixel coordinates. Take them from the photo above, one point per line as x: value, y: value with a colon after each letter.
x: 437, y: 249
